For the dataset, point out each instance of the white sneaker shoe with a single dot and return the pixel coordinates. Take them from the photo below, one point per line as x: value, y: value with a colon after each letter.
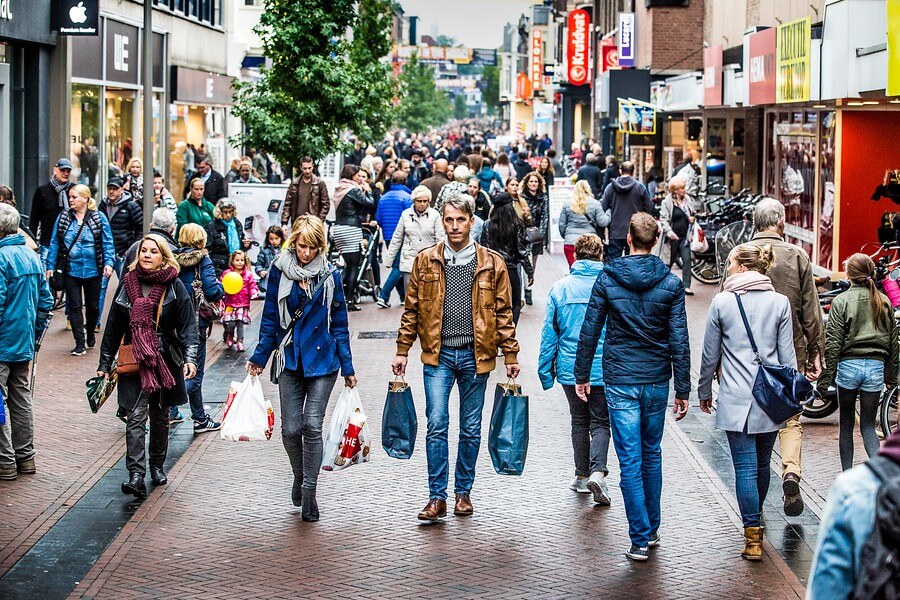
x: 579, y: 484
x: 596, y: 484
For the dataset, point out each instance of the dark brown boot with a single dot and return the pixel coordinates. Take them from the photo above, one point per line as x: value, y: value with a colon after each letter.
x: 463, y: 506
x: 434, y: 510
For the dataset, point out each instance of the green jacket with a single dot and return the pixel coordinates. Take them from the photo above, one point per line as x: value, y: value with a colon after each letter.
x: 851, y: 333
x: 189, y: 212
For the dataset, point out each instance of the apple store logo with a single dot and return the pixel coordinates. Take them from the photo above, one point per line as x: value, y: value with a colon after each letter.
x: 79, y: 17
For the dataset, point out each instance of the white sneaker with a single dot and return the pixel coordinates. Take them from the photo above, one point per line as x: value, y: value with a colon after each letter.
x: 579, y: 484
x: 382, y: 303
x: 596, y: 484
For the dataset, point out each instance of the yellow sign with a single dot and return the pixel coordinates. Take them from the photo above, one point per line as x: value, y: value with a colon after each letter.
x: 792, y: 75
x: 893, y: 47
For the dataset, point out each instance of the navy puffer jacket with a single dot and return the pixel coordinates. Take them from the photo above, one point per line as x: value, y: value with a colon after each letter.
x: 642, y: 305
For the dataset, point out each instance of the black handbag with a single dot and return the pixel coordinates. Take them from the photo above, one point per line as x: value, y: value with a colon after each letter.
x: 58, y: 277
x: 780, y: 391
x: 533, y: 235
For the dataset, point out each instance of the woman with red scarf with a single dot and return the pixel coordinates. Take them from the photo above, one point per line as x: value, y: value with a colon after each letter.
x: 154, y: 313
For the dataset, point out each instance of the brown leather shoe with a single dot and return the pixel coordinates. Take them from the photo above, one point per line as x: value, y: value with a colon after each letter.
x: 434, y: 510
x: 463, y: 506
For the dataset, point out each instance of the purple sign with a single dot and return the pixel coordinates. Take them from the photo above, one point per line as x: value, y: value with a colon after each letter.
x: 627, y: 42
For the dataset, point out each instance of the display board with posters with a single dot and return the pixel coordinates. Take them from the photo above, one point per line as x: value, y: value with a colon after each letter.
x: 258, y: 208
x: 559, y: 197
x: 636, y: 117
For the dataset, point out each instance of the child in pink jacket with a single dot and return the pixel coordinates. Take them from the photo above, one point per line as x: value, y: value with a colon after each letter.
x: 237, y: 306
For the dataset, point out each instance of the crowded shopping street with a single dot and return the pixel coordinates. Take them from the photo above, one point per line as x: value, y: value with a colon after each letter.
x: 504, y: 299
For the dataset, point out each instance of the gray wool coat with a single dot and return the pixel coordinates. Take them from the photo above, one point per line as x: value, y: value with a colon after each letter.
x: 769, y: 314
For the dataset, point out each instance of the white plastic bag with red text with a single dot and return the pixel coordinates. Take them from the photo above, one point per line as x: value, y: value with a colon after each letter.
x: 249, y: 417
x: 348, y: 440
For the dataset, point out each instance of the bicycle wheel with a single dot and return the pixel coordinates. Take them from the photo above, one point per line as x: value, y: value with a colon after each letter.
x: 889, y: 412
x: 822, y: 406
x: 704, y: 270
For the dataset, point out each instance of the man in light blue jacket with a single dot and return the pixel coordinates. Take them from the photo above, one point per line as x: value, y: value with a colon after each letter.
x: 25, y: 303
x: 566, y: 307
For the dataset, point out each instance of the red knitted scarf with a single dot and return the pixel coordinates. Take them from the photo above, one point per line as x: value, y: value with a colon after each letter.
x: 145, y: 345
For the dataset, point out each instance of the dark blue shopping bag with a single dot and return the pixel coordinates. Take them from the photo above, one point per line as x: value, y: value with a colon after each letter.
x: 399, y: 423
x: 508, y: 438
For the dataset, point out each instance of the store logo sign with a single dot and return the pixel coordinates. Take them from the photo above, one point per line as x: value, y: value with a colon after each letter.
x: 78, y: 13
x: 537, y: 57
x: 76, y: 17
x: 6, y: 9
x: 210, y: 88
x: 120, y: 57
x: 627, y: 43
x: 578, y: 49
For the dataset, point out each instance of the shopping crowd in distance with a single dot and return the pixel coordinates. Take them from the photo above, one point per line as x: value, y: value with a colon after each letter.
x: 460, y: 225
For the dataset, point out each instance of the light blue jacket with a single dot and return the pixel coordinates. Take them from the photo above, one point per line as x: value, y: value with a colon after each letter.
x: 847, y: 523
x: 23, y: 291
x: 562, y: 326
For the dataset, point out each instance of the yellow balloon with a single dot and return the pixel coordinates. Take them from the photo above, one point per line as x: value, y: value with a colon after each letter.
x: 232, y: 282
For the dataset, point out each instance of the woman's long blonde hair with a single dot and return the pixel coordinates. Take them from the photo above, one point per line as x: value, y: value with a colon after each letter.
x: 581, y: 197
x: 163, y: 245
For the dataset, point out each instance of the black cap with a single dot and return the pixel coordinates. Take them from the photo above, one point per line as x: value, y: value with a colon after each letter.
x: 115, y: 182
x: 64, y: 163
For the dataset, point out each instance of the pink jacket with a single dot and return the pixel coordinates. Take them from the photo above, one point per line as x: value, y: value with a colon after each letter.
x: 250, y: 290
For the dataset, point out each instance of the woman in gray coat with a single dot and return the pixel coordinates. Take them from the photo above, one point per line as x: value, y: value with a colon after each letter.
x: 582, y: 216
x: 728, y: 354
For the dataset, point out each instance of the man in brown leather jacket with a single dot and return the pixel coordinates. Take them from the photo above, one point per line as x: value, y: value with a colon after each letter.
x: 792, y: 276
x: 459, y: 305
x: 307, y: 195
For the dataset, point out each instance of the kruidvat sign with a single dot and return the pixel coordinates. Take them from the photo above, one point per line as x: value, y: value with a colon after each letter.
x: 577, y: 68
x: 627, y: 43
x: 537, y: 57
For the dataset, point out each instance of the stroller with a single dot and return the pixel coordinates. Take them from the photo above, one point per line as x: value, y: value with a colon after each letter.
x: 365, y: 284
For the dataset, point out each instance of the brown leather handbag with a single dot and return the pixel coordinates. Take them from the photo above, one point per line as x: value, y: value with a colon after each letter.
x: 126, y: 363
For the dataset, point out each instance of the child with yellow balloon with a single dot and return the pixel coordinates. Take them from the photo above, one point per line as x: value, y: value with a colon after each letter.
x: 240, y: 288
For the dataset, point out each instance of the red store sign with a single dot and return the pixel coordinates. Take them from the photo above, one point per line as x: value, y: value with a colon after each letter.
x: 577, y: 67
x: 712, y: 76
x: 536, y: 64
x: 610, y: 56
x: 761, y: 71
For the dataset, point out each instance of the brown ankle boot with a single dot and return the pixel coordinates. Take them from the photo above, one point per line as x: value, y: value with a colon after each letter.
x: 753, y: 537
x: 434, y: 510
x: 463, y: 506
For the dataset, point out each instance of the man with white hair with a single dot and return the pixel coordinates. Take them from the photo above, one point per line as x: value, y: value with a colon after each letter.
x: 162, y: 224
x: 792, y: 275
x: 24, y: 311
x: 457, y: 187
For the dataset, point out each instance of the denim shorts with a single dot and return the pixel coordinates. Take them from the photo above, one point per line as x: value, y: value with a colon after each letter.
x: 865, y: 374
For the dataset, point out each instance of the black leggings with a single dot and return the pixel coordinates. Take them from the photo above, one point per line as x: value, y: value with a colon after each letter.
x: 90, y: 302
x: 868, y: 407
x: 515, y: 283
x: 353, y: 261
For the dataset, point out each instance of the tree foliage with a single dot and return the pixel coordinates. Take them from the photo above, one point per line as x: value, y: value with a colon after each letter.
x: 491, y: 91
x: 320, y: 83
x: 422, y: 104
x: 460, y: 109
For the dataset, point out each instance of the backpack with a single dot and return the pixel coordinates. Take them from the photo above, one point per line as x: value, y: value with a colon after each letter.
x: 879, y: 575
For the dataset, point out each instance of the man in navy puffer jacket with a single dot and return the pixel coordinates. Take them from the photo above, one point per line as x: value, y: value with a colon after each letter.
x: 641, y: 303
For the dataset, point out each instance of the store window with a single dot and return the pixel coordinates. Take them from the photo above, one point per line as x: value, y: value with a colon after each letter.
x: 194, y: 131
x: 716, y: 142
x: 86, y: 136
x: 120, y: 129
x: 826, y: 194
x: 736, y: 157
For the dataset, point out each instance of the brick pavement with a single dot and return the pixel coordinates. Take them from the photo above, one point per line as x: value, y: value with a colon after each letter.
x: 222, y: 526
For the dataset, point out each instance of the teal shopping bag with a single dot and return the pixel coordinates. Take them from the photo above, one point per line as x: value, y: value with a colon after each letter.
x: 508, y: 437
x: 398, y: 421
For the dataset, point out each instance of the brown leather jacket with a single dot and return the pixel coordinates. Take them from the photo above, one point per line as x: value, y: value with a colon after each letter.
x: 491, y: 297
x: 318, y: 201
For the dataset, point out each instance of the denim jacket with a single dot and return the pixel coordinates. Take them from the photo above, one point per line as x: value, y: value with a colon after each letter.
x: 848, y: 520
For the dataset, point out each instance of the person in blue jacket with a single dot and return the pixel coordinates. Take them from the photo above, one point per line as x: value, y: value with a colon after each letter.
x: 305, y: 318
x: 85, y: 233
x: 559, y: 340
x: 195, y: 265
x: 641, y: 304
x: 25, y: 304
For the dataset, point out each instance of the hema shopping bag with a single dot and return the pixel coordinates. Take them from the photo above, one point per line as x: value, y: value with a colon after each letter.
x: 508, y: 437
x: 398, y: 422
x: 348, y: 440
x: 248, y: 415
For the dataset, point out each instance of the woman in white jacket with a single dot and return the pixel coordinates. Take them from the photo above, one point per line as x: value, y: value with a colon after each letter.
x: 419, y: 227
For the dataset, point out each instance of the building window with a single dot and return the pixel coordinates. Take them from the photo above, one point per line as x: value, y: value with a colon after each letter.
x: 205, y: 11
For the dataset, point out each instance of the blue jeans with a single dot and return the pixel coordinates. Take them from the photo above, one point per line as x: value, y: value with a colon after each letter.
x: 394, y: 279
x: 104, y: 283
x: 751, y: 454
x: 454, y: 366
x: 637, y: 414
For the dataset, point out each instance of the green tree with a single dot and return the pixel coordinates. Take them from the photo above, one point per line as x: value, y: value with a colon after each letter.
x: 460, y: 110
x: 320, y: 83
x: 491, y: 93
x: 422, y: 104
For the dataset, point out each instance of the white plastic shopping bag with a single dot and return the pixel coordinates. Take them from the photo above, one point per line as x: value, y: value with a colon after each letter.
x: 248, y: 415
x: 348, y: 440
x: 699, y: 242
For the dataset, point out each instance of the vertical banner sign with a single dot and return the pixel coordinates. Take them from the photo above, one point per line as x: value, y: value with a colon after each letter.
x: 627, y: 40
x: 712, y: 76
x: 893, y: 47
x: 524, y: 91
x: 792, y: 75
x: 536, y: 58
x: 610, y: 56
x: 762, y: 66
x: 578, y: 41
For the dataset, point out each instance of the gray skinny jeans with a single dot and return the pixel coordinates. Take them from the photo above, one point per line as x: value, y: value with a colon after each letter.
x: 303, y: 404
x: 135, y: 434
x: 17, y: 435
x: 590, y: 430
